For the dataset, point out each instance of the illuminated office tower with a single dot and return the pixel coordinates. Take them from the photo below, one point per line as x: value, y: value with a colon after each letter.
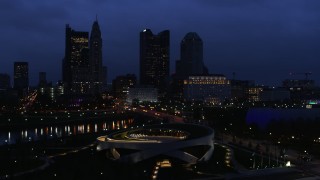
x: 83, y: 72
x: 154, y: 58
x: 76, y: 68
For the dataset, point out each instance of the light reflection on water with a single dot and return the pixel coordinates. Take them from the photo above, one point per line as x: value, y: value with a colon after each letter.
x: 34, y: 134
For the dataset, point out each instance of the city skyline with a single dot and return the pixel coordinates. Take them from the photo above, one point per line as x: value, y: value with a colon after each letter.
x: 182, y: 89
x: 262, y: 39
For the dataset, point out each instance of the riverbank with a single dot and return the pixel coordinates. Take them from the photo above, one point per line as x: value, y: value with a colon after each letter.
x: 47, y: 119
x: 25, y: 158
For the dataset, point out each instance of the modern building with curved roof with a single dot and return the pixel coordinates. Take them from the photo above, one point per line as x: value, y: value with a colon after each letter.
x: 189, y: 143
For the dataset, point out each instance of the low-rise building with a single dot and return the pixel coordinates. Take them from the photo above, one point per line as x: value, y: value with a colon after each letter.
x: 142, y: 94
x: 277, y: 94
x: 206, y: 87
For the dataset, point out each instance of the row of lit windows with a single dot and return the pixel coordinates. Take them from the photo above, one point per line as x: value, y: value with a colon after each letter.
x: 207, y: 78
x: 255, y: 90
x: 206, y: 82
x: 79, y: 40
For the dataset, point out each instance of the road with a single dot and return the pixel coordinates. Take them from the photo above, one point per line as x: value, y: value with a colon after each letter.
x: 158, y: 114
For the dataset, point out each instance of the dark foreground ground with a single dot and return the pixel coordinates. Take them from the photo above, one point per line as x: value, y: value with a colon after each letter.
x: 74, y: 160
x: 75, y: 157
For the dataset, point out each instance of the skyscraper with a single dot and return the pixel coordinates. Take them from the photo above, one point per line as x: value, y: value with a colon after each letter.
x: 21, y: 75
x: 96, y: 57
x: 154, y: 58
x: 190, y: 63
x: 83, y: 72
x: 76, y: 70
x: 191, y: 54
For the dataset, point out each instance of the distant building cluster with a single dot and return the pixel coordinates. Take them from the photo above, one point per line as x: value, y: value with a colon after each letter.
x: 84, y: 76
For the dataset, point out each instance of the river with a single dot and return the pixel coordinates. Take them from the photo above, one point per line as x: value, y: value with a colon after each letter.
x: 58, y: 131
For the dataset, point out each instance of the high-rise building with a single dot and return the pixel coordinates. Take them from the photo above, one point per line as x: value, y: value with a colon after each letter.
x: 191, y: 56
x: 21, y: 75
x: 190, y: 63
x: 96, y: 57
x: 83, y: 72
x: 154, y: 58
x: 76, y: 69
x: 4, y: 81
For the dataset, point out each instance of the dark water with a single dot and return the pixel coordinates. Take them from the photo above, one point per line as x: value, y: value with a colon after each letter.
x: 57, y: 131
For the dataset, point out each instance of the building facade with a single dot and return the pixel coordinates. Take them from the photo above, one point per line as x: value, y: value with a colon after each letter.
x: 121, y: 85
x: 274, y: 94
x: 214, y: 88
x: 301, y: 89
x: 239, y: 89
x: 142, y: 94
x: 21, y: 75
x: 191, y: 56
x: 83, y: 72
x: 154, y: 58
x: 76, y: 71
x: 42, y: 79
x: 96, y: 58
x: 190, y: 63
x: 254, y: 93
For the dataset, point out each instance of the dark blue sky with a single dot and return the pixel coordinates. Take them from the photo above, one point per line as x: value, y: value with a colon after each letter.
x: 263, y: 40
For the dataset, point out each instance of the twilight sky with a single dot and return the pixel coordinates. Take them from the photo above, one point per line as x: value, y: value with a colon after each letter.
x: 262, y: 40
